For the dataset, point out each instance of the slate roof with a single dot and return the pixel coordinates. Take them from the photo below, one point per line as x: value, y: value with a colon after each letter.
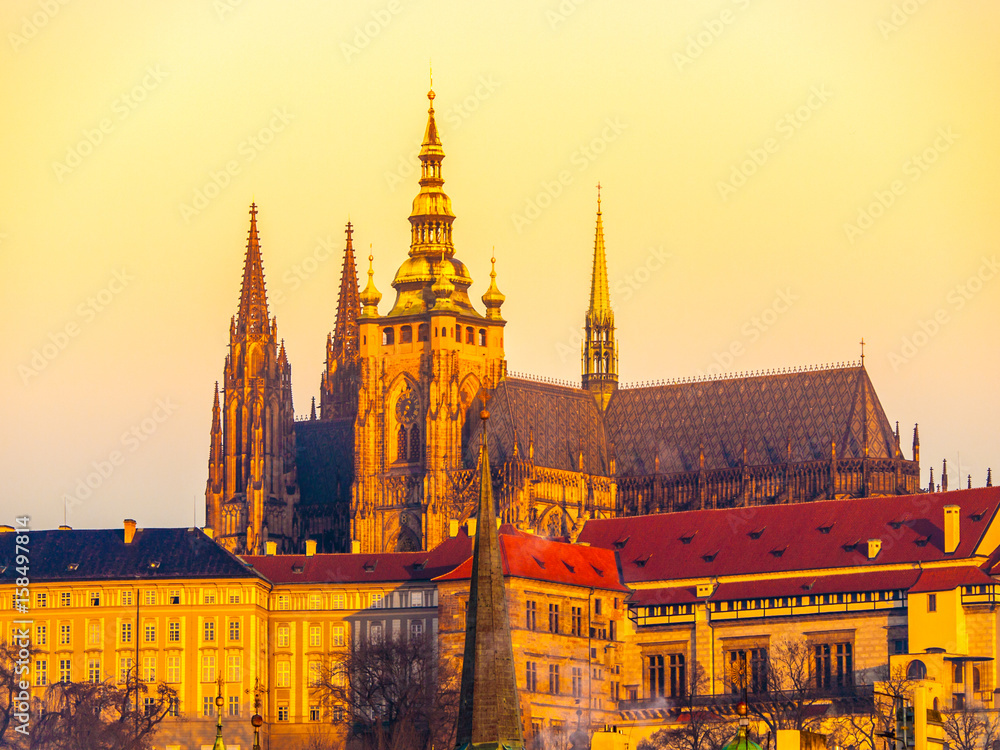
x: 381, y: 567
x: 524, y: 555
x: 561, y: 420
x: 804, y: 410
x: 825, y: 534
x: 102, y: 555
x: 324, y: 457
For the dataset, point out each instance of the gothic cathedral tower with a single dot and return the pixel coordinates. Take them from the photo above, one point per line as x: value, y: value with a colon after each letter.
x: 421, y: 367
x: 252, y: 490
x: 339, y: 385
x: 600, y: 351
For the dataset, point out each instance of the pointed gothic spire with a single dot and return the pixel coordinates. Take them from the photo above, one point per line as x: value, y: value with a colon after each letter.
x: 599, y: 313
x: 312, y: 412
x: 944, y: 475
x: 215, y: 451
x: 600, y: 352
x: 916, y: 443
x: 345, y: 336
x: 252, y: 317
x: 489, y: 713
x: 989, y: 477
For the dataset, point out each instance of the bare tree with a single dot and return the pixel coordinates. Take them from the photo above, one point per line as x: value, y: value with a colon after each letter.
x: 9, y: 690
x: 871, y: 723
x: 101, y: 715
x: 392, y: 695
x: 700, y: 724
x: 971, y: 729
x: 786, y: 696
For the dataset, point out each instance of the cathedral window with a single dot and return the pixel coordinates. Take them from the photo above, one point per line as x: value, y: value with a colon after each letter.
x: 388, y: 337
x: 482, y: 337
x: 414, y: 443
x: 423, y: 332
x: 405, y: 335
x: 470, y: 335
x: 458, y: 334
x: 401, y: 444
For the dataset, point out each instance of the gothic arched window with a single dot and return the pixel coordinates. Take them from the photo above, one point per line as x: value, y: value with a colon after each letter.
x: 401, y: 444
x: 414, y: 444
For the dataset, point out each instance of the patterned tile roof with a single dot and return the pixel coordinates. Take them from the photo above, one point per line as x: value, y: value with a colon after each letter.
x: 777, y: 417
x: 102, y: 555
x: 825, y: 534
x: 803, y: 410
x: 560, y: 421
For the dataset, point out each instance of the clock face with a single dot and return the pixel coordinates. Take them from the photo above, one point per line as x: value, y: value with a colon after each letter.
x: 406, y: 407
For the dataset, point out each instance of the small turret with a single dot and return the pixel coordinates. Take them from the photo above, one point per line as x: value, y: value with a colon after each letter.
x: 916, y: 443
x: 493, y: 298
x: 370, y: 296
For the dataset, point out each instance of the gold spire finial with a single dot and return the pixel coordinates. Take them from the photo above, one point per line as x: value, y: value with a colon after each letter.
x: 598, y: 197
x: 493, y: 298
x: 862, y: 351
x: 370, y: 296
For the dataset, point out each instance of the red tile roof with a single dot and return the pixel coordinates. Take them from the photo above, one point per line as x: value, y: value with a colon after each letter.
x: 527, y: 556
x: 946, y: 579
x: 382, y: 567
x: 777, y: 538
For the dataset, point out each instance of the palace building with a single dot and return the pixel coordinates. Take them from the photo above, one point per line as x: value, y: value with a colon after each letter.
x: 389, y: 462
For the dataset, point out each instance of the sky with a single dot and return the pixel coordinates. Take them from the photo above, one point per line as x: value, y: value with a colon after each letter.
x: 780, y: 179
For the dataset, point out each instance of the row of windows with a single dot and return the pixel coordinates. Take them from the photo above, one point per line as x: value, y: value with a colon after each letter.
x: 423, y: 334
x: 125, y: 598
x: 355, y: 601
x: 125, y: 634
x: 576, y: 626
x: 784, y: 601
x: 531, y: 679
x: 283, y: 635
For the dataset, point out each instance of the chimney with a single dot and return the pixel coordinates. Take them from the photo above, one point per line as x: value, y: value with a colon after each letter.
x: 310, y: 547
x: 453, y: 528
x: 355, y: 547
x: 270, y: 548
x: 952, y: 528
x: 129, y: 530
x: 874, y: 546
x: 209, y: 532
x: 470, y: 527
x: 64, y: 527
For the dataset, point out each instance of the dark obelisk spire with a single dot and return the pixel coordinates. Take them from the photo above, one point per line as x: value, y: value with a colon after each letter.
x: 489, y: 714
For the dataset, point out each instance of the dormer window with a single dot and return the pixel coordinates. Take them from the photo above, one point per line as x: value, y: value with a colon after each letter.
x: 757, y: 533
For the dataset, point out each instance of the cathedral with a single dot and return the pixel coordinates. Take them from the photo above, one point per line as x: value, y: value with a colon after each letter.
x: 389, y: 463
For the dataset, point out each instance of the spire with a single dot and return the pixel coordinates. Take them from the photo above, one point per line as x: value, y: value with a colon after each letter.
x: 989, y: 477
x: 600, y: 352
x: 493, y: 298
x: 252, y: 317
x: 312, y: 412
x: 600, y: 313
x: 215, y: 451
x: 488, y: 710
x: 371, y: 296
x: 431, y: 217
x: 944, y: 475
x: 916, y: 443
x: 345, y: 336
x: 219, y: 702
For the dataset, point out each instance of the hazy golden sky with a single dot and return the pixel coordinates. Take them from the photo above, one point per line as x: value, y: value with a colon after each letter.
x: 780, y: 179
